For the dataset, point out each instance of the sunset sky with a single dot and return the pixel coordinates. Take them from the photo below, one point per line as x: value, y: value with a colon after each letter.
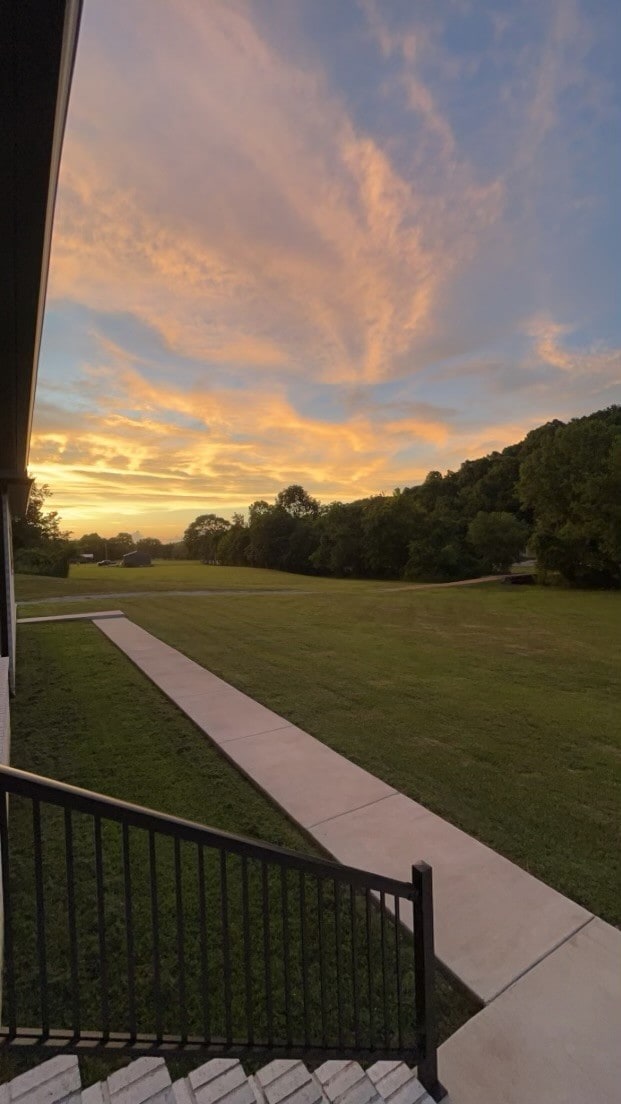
x: 329, y: 242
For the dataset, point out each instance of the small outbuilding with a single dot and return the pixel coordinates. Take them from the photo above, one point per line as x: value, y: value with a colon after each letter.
x: 136, y: 559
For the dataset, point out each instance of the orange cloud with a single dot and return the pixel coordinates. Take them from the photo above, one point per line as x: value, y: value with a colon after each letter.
x: 283, y: 236
x: 240, y: 446
x: 594, y: 360
x: 219, y: 191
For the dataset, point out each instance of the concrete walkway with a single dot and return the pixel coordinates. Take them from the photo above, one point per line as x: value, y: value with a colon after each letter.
x: 552, y: 1038
x: 547, y: 970
x: 90, y: 616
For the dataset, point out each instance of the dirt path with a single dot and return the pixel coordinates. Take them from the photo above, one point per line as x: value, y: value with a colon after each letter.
x: 460, y: 582
x: 105, y: 595
x: 218, y: 593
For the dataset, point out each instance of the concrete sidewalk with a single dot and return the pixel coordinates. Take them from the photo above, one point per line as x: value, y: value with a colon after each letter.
x: 552, y: 1038
x: 90, y: 616
x: 542, y: 964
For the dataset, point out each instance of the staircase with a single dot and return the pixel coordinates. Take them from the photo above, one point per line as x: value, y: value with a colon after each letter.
x: 209, y: 941
x: 147, y: 1081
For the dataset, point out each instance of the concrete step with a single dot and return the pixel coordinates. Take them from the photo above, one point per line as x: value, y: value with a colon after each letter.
x: 283, y: 1081
x: 56, y: 1081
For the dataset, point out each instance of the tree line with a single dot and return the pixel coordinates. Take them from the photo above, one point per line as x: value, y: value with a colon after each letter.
x: 114, y: 548
x: 556, y: 494
x: 41, y: 547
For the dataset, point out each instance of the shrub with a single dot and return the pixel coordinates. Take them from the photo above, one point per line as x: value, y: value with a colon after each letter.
x: 52, y: 560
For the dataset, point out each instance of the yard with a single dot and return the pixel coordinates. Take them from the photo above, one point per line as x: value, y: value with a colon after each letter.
x: 497, y: 707
x: 171, y: 575
x: 85, y: 715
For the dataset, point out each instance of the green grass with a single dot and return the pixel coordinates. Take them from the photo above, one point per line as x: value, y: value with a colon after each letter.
x: 87, y: 579
x: 497, y: 707
x: 85, y: 715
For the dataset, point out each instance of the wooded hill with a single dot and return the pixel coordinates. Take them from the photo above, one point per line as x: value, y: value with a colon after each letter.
x: 557, y: 493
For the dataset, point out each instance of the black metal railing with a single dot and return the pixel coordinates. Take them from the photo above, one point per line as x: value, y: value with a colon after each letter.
x: 129, y: 928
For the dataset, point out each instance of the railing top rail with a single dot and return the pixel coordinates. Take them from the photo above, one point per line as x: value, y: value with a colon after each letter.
x: 25, y: 784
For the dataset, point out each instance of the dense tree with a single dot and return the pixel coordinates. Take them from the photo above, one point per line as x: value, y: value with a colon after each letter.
x: 571, y: 481
x: 270, y: 533
x: 233, y: 545
x: 119, y: 546
x: 39, y: 545
x: 37, y: 526
x: 202, y: 535
x: 497, y: 538
x: 151, y: 545
x: 297, y: 502
x: 340, y: 545
x: 438, y: 550
x: 257, y: 508
x: 387, y: 526
x: 300, y: 546
x: 174, y: 550
x: 91, y: 544
x: 559, y: 490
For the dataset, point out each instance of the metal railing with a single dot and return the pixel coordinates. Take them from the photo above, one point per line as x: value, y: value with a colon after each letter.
x: 125, y: 927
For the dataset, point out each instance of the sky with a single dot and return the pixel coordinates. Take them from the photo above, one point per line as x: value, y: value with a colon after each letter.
x: 330, y: 242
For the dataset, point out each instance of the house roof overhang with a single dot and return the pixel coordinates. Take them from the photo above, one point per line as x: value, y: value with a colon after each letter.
x: 38, y: 40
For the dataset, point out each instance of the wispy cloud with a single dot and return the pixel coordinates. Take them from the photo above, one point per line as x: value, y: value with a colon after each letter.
x: 249, y: 209
x: 197, y: 448
x: 594, y: 360
x: 290, y: 237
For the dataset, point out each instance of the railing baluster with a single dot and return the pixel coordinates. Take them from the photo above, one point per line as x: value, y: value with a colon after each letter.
x: 247, y: 951
x: 367, y: 903
x: 9, y: 971
x: 384, y: 978
x: 398, y: 971
x: 304, y: 950
x: 129, y: 936
x: 71, y: 916
x: 155, y: 933
x: 354, y: 964
x: 180, y: 940
x: 101, y: 928
x: 40, y: 900
x: 226, y: 949
x: 203, y: 941
x: 424, y: 980
x: 322, y: 965
x: 267, y: 953
x: 285, y: 949
x: 339, y: 960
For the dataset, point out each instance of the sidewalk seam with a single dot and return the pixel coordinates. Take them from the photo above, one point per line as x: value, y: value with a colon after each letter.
x: 346, y: 812
x: 541, y: 959
x: 249, y: 735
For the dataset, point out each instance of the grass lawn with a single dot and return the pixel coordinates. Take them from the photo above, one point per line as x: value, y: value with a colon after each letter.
x: 172, y: 575
x: 85, y: 715
x: 497, y: 707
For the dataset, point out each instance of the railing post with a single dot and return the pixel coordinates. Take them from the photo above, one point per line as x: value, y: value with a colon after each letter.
x: 424, y: 980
